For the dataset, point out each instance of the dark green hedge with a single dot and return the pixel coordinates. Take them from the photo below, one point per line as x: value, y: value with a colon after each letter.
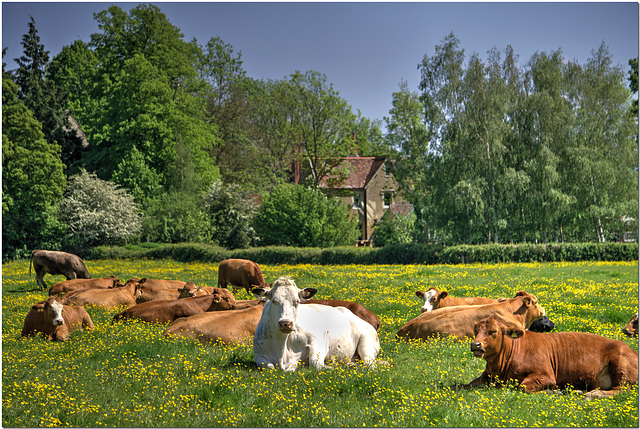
x: 391, y: 254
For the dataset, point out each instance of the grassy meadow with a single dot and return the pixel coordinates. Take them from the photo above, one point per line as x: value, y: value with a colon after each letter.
x: 129, y: 375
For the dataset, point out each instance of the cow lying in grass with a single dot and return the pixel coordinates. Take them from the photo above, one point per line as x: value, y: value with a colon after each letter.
x: 540, y: 361
x: 55, y: 320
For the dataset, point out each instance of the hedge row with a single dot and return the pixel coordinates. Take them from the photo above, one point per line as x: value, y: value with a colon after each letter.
x: 391, y: 254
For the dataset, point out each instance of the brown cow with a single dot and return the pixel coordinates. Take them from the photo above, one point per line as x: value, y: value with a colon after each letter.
x: 632, y: 327
x: 115, y: 297
x: 226, y: 327
x: 555, y: 360
x: 434, y: 299
x: 460, y: 321
x: 356, y: 308
x: 240, y: 273
x: 168, y: 311
x: 146, y: 295
x: 83, y: 284
x: 191, y: 290
x: 54, y: 263
x: 158, y: 283
x: 55, y: 320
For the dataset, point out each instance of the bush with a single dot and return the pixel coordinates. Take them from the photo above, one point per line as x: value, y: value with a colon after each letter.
x: 293, y: 215
x: 98, y: 212
x: 395, y: 229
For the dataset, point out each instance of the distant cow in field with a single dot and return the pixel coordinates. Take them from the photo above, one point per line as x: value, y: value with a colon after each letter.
x: 632, y: 327
x: 556, y: 360
x: 158, y: 283
x: 56, y: 263
x: 191, y: 290
x: 224, y: 327
x: 83, y: 284
x: 55, y: 320
x: 240, y: 273
x: 168, y: 311
x: 460, y: 321
x: 434, y: 299
x: 114, y: 297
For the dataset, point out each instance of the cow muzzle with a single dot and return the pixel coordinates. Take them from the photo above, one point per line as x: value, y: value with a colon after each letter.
x: 477, y: 350
x: 58, y: 321
x: 285, y: 326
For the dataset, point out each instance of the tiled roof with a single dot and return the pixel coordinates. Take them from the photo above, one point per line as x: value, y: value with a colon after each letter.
x: 361, y: 170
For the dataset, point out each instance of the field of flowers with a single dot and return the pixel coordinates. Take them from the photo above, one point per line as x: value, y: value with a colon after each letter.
x: 129, y: 375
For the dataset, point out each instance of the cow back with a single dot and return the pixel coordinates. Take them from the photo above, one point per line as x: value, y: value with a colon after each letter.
x: 356, y: 308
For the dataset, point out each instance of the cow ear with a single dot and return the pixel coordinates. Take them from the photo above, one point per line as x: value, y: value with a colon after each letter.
x: 526, y: 301
x: 521, y: 293
x: 515, y: 332
x: 142, y: 280
x: 307, y: 293
x: 420, y: 294
x: 443, y: 294
x: 259, y: 291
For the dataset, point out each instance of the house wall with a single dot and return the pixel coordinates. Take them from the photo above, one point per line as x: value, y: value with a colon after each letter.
x: 375, y: 199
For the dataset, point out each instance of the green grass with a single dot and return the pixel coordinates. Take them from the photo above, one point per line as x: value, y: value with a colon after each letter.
x: 128, y: 375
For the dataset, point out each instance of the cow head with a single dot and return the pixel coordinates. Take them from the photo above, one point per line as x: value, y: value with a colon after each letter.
x: 530, y: 309
x: 431, y: 298
x: 283, y: 298
x: 490, y: 335
x: 632, y: 327
x: 189, y: 290
x: 52, y: 312
x: 223, y: 299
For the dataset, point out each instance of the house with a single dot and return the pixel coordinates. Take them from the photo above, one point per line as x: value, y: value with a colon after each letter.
x: 366, y: 184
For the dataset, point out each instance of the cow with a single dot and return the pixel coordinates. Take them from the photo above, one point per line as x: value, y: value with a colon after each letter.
x: 544, y: 324
x: 356, y: 308
x: 109, y: 298
x: 631, y: 329
x: 168, y: 311
x: 146, y: 294
x: 556, y: 360
x: 219, y: 327
x: 460, y: 321
x: 83, y: 284
x: 55, y: 263
x: 190, y: 290
x: 434, y: 299
x: 55, y: 320
x: 158, y: 283
x: 240, y: 273
x: 288, y: 334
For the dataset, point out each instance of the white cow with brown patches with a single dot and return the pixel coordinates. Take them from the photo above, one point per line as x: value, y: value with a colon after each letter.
x: 288, y: 334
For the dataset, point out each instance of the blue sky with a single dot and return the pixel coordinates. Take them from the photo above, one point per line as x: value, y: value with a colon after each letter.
x: 364, y: 48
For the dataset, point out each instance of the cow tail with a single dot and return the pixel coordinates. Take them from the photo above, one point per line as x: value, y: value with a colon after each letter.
x: 30, y: 262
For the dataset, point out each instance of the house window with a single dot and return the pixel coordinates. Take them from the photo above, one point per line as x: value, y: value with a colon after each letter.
x: 387, y: 170
x: 356, y: 201
x: 387, y: 197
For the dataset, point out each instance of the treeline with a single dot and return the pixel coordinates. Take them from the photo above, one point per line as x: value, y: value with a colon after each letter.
x: 141, y: 136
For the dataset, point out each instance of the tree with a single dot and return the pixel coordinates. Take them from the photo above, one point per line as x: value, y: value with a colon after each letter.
x: 394, y: 229
x: 321, y: 122
x: 293, y: 215
x: 633, y: 84
x: 32, y: 180
x: 229, y: 211
x: 97, y: 212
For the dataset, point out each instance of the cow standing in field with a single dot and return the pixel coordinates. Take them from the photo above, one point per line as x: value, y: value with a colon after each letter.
x: 289, y: 333
x: 55, y: 263
x: 83, y: 284
x: 55, y: 320
x: 240, y: 273
x: 168, y: 311
x: 460, y: 321
x: 541, y: 361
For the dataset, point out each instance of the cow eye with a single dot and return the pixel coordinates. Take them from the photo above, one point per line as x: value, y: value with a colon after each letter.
x: 493, y: 333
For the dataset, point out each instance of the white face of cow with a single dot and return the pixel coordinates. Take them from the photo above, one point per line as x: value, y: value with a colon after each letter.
x: 56, y: 309
x: 429, y: 298
x: 282, y: 303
